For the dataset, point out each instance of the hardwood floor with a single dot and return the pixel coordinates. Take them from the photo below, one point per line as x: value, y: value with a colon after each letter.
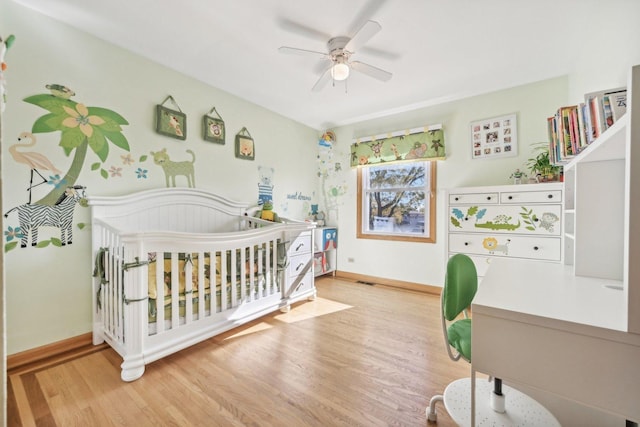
x: 358, y: 355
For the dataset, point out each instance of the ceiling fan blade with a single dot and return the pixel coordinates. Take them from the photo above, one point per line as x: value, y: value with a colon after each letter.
x: 368, y: 30
x: 302, y: 30
x: 366, y: 13
x: 385, y: 54
x: 371, y: 71
x: 303, y: 52
x: 322, y: 81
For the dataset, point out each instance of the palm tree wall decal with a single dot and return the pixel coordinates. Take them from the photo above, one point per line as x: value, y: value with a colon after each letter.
x: 81, y: 128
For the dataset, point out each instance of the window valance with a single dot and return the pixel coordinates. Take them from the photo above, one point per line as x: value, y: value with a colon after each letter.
x: 425, y: 143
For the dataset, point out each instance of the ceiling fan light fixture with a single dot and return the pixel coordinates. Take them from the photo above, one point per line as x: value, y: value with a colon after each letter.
x: 340, y: 71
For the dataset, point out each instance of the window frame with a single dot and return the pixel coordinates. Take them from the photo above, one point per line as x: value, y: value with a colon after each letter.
x: 362, y: 234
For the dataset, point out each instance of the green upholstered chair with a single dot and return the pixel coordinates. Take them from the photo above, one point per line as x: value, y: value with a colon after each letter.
x: 460, y: 287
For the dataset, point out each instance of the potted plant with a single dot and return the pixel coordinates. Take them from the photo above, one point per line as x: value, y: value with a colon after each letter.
x: 517, y: 176
x: 541, y: 167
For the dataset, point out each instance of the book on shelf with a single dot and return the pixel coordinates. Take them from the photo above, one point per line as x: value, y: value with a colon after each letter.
x: 574, y: 127
x: 568, y: 132
x: 582, y: 134
x: 552, y: 130
x: 595, y: 105
x: 607, y: 114
x: 618, y: 101
x: 588, y: 126
x: 608, y: 106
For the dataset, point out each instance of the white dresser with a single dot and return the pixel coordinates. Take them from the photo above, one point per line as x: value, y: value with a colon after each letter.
x: 514, y: 221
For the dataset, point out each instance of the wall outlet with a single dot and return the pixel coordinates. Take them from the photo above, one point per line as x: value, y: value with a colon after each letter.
x: 350, y: 259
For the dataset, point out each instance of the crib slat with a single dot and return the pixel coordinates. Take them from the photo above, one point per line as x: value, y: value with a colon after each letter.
x: 119, y: 295
x: 201, y: 283
x: 242, y: 295
x: 263, y: 270
x: 255, y: 275
x: 188, y: 288
x: 106, y: 292
x: 114, y: 282
x: 272, y: 265
x: 175, y: 288
x: 159, y: 292
x: 223, y: 281
x: 233, y: 282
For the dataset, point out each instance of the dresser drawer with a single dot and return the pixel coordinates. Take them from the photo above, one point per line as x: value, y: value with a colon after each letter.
x: 299, y: 264
x: 506, y: 219
x: 301, y: 244
x: 551, y: 196
x: 301, y: 284
x: 467, y: 198
x: 532, y: 247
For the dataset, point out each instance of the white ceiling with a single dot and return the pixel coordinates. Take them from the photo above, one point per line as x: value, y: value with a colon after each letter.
x: 436, y: 50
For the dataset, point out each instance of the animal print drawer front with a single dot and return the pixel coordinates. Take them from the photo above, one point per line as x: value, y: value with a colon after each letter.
x: 535, y: 219
x: 531, y: 247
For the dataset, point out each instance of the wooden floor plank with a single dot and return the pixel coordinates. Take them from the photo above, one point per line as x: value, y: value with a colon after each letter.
x: 357, y: 356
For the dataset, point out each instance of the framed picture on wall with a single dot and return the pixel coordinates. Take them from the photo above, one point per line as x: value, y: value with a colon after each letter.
x: 171, y: 122
x: 495, y: 137
x: 245, y: 148
x: 213, y: 128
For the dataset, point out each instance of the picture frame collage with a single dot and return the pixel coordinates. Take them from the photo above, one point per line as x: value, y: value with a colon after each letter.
x: 494, y: 137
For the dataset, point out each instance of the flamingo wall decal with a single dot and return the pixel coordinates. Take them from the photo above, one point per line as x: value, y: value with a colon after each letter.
x: 34, y: 160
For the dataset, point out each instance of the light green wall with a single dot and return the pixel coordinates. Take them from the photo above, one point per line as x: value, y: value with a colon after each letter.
x: 48, y: 289
x: 421, y: 262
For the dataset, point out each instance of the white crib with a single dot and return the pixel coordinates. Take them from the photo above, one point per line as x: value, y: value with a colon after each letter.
x: 147, y: 245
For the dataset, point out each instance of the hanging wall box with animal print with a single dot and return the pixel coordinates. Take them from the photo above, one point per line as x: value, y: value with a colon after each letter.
x: 213, y: 128
x: 245, y: 148
x: 170, y: 122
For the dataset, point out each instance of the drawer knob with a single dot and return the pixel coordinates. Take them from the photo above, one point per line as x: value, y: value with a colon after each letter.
x: 299, y: 246
x: 535, y: 248
x: 510, y: 197
x: 536, y: 219
x: 488, y: 197
x: 466, y: 243
x: 457, y: 198
x: 550, y: 196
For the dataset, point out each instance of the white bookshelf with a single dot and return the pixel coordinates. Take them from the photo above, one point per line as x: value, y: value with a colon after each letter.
x: 602, y: 199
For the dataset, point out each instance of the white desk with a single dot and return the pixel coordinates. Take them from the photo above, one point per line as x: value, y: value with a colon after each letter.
x: 539, y: 325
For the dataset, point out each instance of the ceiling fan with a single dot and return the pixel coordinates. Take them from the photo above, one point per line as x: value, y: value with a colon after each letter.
x: 339, y: 51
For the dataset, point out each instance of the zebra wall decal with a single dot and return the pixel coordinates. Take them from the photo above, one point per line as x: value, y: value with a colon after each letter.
x: 60, y: 215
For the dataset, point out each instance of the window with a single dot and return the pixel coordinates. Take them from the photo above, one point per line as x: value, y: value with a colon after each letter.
x: 397, y: 202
